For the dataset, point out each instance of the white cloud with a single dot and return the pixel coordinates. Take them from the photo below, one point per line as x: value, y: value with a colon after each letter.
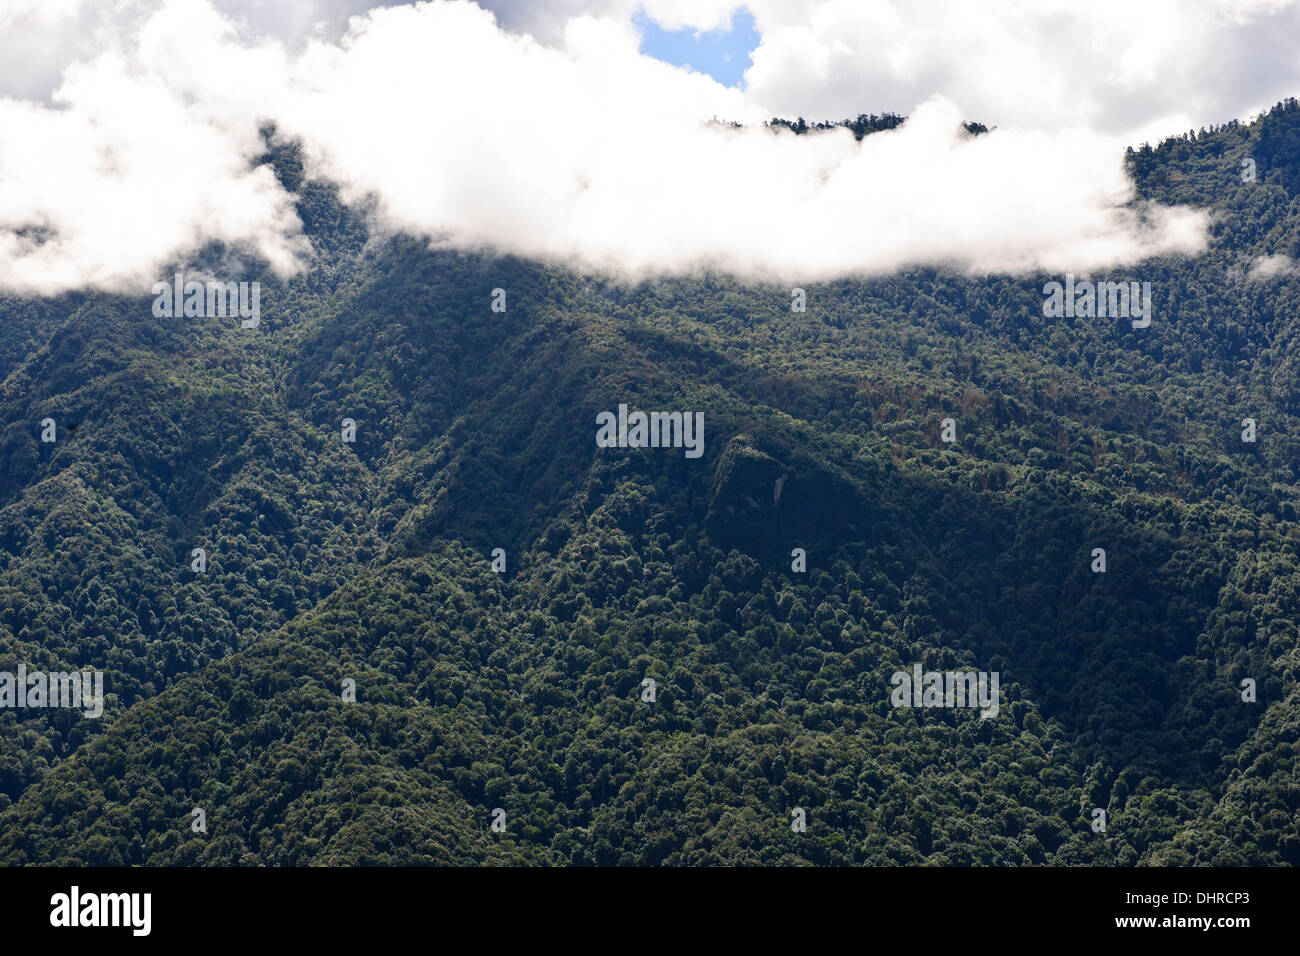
x: 1273, y: 267
x: 122, y: 175
x: 1143, y: 70
x: 579, y: 149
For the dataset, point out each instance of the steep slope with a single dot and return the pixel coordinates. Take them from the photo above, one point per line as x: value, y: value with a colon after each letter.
x: 523, y: 691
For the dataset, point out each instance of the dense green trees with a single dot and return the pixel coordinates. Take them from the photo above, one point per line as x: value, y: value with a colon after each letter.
x: 523, y: 691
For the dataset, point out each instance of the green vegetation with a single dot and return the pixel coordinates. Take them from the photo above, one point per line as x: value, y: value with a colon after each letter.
x: 523, y: 691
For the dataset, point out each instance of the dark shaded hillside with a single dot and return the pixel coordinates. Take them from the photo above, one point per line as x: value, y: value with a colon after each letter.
x: 475, y: 431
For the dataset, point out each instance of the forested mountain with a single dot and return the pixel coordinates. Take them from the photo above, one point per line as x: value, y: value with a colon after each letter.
x: 523, y: 690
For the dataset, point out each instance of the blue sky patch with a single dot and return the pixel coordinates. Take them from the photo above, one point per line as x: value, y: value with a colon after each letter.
x: 722, y: 53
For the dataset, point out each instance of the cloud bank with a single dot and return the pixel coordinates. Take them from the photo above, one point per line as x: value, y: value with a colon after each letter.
x: 579, y: 150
